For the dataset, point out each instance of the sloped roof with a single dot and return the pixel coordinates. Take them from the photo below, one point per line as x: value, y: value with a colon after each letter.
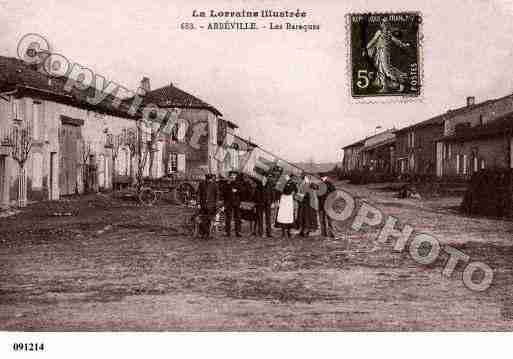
x: 467, y: 108
x: 357, y: 143
x: 437, y: 120
x: 172, y: 96
x: 494, y: 128
x: 362, y: 141
x: 15, y: 74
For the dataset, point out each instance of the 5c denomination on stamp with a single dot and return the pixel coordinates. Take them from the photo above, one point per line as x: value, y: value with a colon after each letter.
x: 385, y: 54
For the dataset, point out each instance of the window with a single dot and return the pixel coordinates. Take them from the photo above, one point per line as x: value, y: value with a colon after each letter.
x: 174, y: 133
x: 411, y: 139
x: 37, y: 170
x: 412, y: 162
x: 16, y: 115
x: 457, y: 164
x: 181, y: 162
x: 465, y: 165
x: 182, y: 130
x: 173, y: 163
x: 36, y: 120
x: 482, y: 164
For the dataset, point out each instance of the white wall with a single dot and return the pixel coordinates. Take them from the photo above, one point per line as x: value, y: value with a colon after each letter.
x: 48, y: 117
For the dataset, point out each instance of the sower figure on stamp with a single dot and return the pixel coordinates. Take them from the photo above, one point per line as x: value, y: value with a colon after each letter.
x: 324, y: 217
x: 208, y: 204
x: 232, y: 198
x: 379, y: 50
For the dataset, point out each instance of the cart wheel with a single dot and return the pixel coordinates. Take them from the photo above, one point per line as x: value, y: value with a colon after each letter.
x: 147, y: 196
x: 185, y: 193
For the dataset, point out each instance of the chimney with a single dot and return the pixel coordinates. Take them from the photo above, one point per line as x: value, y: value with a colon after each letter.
x: 145, y: 85
x: 471, y: 101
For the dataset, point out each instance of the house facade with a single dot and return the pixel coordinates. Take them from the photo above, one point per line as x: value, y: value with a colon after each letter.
x: 198, y: 130
x: 375, y: 153
x: 475, y: 137
x: 416, y: 147
x: 378, y: 152
x: 352, y: 159
x: 70, y: 151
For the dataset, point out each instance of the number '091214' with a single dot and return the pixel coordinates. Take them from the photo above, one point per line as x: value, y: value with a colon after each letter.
x: 28, y: 347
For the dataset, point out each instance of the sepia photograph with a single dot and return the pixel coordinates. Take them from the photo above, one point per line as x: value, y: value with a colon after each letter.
x: 236, y: 167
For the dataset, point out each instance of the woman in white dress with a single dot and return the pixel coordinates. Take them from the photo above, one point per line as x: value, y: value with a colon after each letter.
x: 285, y: 219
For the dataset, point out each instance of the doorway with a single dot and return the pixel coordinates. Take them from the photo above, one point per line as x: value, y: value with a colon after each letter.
x: 69, y: 164
x: 52, y: 182
x: 4, y: 197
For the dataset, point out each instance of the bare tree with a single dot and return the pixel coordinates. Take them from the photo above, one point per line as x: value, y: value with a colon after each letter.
x: 20, y: 139
x: 137, y: 143
x: 115, y: 142
x: 85, y: 154
x: 131, y: 141
x: 156, y: 130
x: 142, y: 146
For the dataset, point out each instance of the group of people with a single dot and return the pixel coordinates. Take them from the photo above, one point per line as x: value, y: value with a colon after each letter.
x: 302, y: 207
x: 299, y: 206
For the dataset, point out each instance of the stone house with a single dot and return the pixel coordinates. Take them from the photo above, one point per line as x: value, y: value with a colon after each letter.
x: 69, y: 135
x: 190, y: 146
x: 475, y: 137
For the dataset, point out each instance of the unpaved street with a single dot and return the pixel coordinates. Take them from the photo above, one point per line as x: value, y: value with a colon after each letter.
x: 112, y: 265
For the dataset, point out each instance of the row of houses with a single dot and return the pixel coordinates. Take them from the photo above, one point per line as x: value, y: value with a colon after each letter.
x: 77, y: 147
x: 454, y: 144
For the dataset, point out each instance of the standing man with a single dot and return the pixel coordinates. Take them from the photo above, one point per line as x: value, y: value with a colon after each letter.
x: 264, y: 198
x: 208, y: 194
x: 232, y: 198
x: 268, y: 198
x: 324, y: 217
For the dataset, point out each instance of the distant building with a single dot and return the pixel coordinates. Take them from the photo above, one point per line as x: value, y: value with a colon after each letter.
x: 352, y: 159
x: 476, y: 136
x: 375, y: 153
x: 378, y: 152
x: 416, y: 147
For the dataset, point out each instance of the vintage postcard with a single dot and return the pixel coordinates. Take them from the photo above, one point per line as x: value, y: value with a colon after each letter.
x: 253, y: 166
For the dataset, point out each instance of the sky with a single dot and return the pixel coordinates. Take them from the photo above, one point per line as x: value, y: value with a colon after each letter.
x: 288, y: 91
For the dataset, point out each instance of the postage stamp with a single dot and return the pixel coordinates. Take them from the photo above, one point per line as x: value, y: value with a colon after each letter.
x: 385, y: 54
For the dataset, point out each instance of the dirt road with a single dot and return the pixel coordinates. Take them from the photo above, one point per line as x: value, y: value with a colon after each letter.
x: 112, y: 265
